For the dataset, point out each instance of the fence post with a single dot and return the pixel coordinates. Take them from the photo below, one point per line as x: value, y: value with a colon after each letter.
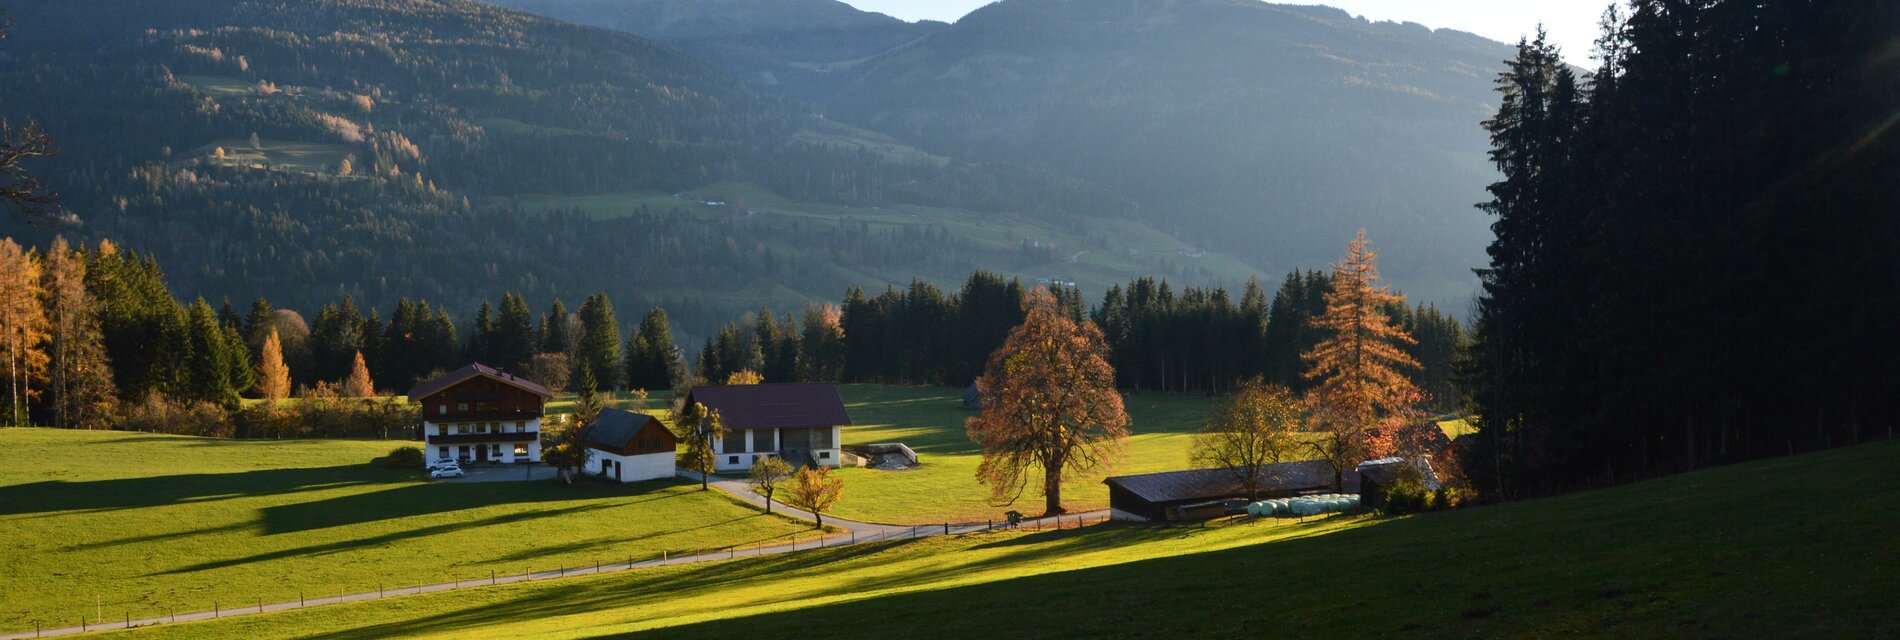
x: 662, y: 556
x: 300, y: 602
x: 854, y: 536
x: 379, y: 588
x: 946, y: 528
x: 215, y: 612
x: 128, y: 619
x: 491, y: 577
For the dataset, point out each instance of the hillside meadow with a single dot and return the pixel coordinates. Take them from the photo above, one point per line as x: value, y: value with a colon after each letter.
x: 1795, y: 547
x: 116, y: 522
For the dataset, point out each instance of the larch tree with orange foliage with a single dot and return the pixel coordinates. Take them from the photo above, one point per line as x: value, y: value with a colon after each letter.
x: 1049, y: 405
x: 273, y: 376
x: 1360, y: 389
x: 359, y: 384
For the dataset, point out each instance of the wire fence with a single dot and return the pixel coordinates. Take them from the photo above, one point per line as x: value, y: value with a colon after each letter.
x: 142, y: 614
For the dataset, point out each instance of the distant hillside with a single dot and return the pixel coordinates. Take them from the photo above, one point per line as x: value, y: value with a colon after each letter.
x: 769, y: 42
x: 451, y: 150
x: 1268, y: 130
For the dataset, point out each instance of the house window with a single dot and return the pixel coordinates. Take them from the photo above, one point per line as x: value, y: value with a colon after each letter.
x: 442, y: 409
x: 495, y: 427
x: 481, y: 427
x: 442, y: 452
x: 461, y: 406
x: 464, y: 451
x: 521, y: 451
x: 442, y: 429
x: 494, y: 452
x: 461, y: 428
x: 521, y: 426
x: 824, y: 455
x: 732, y: 459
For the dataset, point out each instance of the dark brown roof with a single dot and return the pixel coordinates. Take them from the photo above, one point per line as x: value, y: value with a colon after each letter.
x: 616, y: 427
x: 471, y: 371
x: 775, y: 406
x: 1209, y: 484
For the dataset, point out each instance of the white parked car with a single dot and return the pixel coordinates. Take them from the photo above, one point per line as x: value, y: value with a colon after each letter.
x: 443, y: 463
x: 451, y: 472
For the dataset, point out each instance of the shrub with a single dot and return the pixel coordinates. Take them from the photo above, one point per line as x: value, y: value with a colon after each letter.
x: 404, y: 457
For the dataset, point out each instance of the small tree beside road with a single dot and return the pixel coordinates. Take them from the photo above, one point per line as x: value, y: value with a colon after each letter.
x: 767, y: 472
x: 700, y: 429
x: 813, y: 489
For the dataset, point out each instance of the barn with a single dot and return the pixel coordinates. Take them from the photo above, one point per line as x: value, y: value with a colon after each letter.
x: 801, y: 422
x: 630, y: 447
x: 1197, y: 493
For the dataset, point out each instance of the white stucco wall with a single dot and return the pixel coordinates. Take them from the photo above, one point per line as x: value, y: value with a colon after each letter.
x: 634, y: 468
x: 432, y: 450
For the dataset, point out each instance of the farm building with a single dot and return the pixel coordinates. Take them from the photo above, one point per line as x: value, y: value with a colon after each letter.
x: 481, y: 414
x: 801, y: 422
x: 630, y: 447
x: 1198, y: 493
x: 1376, y: 475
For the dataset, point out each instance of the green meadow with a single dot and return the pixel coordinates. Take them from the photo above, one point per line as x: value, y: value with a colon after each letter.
x: 116, y: 522
x: 1796, y: 547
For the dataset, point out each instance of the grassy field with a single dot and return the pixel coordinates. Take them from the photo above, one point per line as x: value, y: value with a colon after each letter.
x: 145, y: 523
x: 944, y: 486
x: 311, y: 157
x: 1797, y: 547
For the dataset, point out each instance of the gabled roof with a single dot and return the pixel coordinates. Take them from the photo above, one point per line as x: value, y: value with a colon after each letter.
x: 1387, y: 470
x: 775, y: 406
x: 614, y: 428
x: 472, y: 371
x: 1208, y: 484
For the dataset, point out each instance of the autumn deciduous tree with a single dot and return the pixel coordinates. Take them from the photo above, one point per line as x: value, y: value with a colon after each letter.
x: 273, y: 376
x: 766, y: 473
x: 1258, y: 425
x: 1356, y: 368
x: 22, y: 327
x: 813, y: 489
x: 700, y: 429
x: 359, y: 385
x: 745, y: 376
x: 1049, y: 405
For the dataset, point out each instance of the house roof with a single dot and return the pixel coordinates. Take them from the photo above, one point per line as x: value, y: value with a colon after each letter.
x: 614, y: 428
x: 1208, y: 484
x: 1386, y: 470
x: 775, y: 406
x: 474, y: 370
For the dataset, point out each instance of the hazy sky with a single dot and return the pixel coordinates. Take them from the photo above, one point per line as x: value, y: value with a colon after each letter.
x: 1572, y: 23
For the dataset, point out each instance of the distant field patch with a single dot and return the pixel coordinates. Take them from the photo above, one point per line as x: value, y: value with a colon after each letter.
x: 308, y: 157
x: 219, y: 86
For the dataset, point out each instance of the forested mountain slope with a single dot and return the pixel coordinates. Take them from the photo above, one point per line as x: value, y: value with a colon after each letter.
x: 1268, y: 130
x: 305, y: 150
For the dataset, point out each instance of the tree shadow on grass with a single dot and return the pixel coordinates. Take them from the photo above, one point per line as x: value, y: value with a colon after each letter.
x: 135, y: 493
x: 624, y: 590
x: 419, y: 499
x: 355, y: 544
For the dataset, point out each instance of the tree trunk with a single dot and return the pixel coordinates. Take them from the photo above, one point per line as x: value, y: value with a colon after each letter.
x: 1052, y: 491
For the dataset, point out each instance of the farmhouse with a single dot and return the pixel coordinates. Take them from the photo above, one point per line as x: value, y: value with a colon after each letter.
x: 480, y: 414
x: 801, y: 422
x: 630, y: 447
x: 1197, y: 493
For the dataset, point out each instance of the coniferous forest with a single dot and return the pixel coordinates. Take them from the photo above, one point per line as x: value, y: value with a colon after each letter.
x: 1695, y: 256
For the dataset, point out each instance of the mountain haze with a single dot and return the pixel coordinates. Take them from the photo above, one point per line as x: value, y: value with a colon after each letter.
x: 1271, y: 132
x: 774, y: 43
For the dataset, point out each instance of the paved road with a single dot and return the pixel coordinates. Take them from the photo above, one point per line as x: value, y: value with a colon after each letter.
x: 855, y: 533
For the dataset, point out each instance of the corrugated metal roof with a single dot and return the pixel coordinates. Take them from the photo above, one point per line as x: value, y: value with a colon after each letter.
x: 1208, y: 484
x: 473, y: 370
x: 616, y: 427
x: 781, y: 405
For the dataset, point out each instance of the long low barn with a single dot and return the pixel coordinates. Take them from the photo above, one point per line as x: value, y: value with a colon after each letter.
x: 1172, y: 495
